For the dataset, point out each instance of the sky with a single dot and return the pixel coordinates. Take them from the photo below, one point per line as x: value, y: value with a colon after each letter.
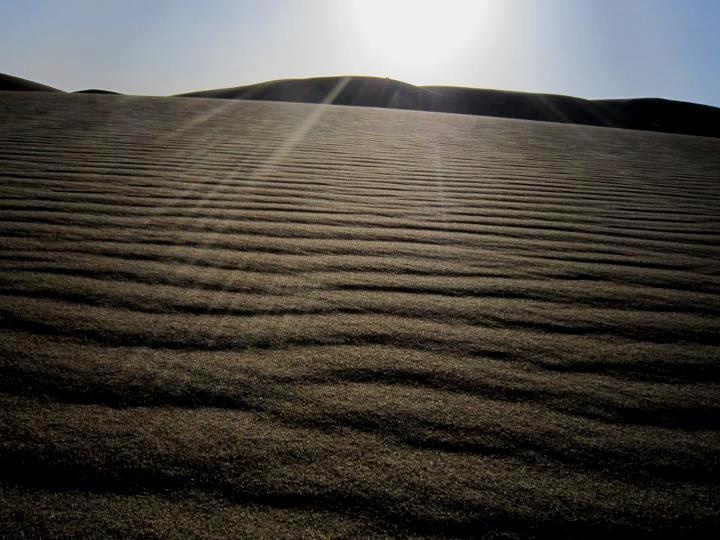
x: 585, y: 48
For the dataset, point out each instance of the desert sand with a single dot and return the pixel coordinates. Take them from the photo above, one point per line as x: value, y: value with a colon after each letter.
x: 225, y: 318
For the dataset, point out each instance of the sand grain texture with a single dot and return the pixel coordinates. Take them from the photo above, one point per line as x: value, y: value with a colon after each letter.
x: 225, y: 318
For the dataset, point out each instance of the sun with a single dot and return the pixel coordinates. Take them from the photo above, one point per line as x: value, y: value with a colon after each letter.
x: 409, y: 35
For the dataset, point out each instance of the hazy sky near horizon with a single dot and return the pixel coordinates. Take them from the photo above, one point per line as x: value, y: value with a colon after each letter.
x: 586, y: 48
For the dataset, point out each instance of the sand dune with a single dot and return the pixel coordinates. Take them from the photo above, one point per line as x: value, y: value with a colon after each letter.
x: 238, y: 318
x: 9, y: 83
x: 646, y: 114
x: 96, y: 91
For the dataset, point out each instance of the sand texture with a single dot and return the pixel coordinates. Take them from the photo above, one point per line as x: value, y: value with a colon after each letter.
x: 226, y: 318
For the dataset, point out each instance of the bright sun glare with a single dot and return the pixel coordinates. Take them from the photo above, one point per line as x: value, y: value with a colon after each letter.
x: 408, y: 35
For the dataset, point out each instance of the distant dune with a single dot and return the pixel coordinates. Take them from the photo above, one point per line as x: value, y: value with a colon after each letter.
x: 645, y: 114
x: 240, y: 319
x: 15, y: 84
x: 96, y: 91
x: 650, y: 114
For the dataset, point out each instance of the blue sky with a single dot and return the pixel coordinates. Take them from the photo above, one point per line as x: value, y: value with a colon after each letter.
x: 587, y: 48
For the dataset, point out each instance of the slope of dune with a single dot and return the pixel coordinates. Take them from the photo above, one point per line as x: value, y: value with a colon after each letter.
x: 644, y: 114
x: 8, y: 83
x: 236, y: 318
